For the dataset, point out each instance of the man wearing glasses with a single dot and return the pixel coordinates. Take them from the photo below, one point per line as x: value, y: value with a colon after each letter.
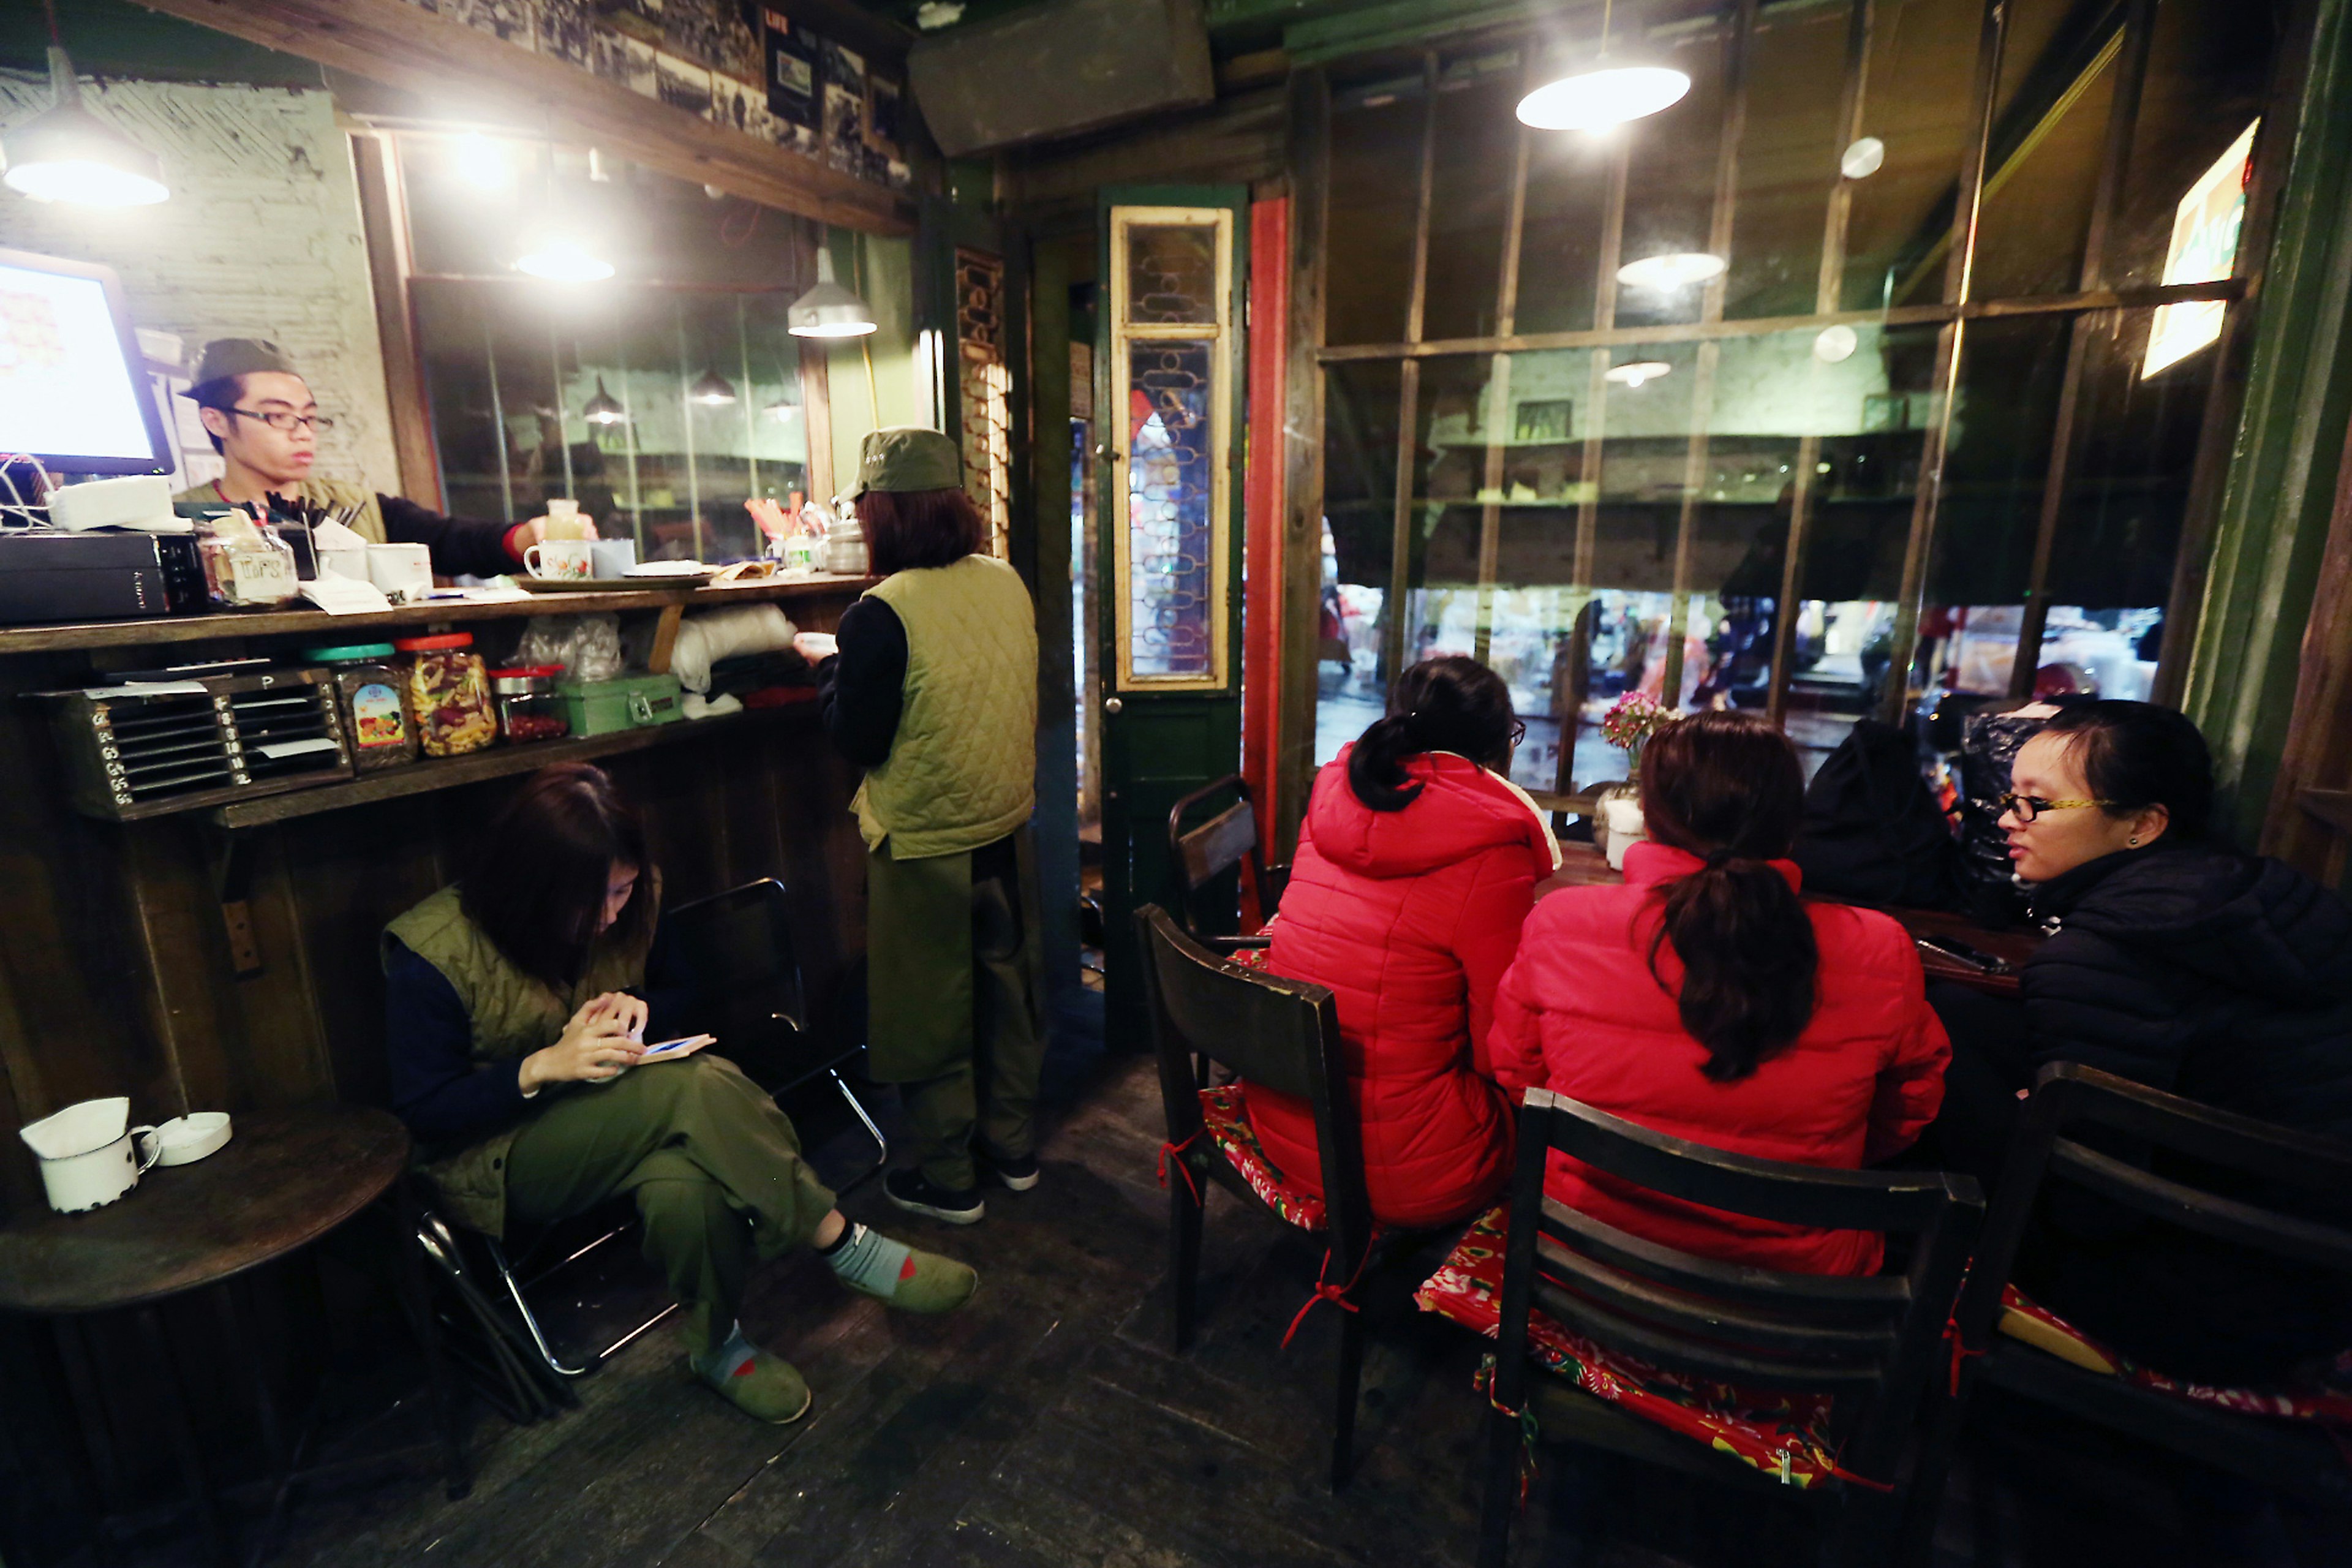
x: 265, y: 424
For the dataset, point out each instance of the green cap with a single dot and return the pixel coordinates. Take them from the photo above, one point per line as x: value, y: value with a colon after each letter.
x: 226, y: 357
x: 349, y: 653
x: 907, y: 458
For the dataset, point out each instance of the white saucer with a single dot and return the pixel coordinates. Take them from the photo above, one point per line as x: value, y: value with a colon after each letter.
x: 188, y: 1139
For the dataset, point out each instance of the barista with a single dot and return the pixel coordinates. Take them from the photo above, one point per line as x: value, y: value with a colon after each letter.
x: 265, y: 424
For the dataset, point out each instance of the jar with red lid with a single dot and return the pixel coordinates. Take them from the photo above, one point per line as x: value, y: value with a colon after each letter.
x: 446, y: 689
x: 529, y: 706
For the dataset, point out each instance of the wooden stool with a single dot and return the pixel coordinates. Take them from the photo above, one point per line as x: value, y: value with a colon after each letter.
x: 284, y: 1180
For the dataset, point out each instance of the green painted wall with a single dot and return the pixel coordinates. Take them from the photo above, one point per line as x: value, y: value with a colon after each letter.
x: 883, y: 270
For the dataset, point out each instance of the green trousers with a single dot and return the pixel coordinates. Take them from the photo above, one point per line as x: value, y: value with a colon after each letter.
x: 952, y: 993
x: 714, y: 1166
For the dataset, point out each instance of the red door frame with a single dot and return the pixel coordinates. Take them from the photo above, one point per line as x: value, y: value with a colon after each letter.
x: 1263, y: 505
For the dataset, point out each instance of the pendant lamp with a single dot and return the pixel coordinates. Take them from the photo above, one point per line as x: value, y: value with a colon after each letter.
x: 564, y: 260
x: 1632, y: 376
x: 65, y: 154
x: 711, y: 390
x: 603, y: 408
x: 1606, y: 89
x: 1675, y: 269
x: 829, y: 310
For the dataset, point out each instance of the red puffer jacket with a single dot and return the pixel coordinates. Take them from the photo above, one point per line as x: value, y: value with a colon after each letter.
x: 1580, y: 1014
x: 1410, y: 917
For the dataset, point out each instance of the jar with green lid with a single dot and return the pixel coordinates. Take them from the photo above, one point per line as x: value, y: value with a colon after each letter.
x: 368, y: 686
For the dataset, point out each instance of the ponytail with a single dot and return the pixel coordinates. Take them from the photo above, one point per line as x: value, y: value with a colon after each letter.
x: 1446, y: 704
x: 1727, y: 786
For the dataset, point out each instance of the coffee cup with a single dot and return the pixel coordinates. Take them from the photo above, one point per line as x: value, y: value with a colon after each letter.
x: 612, y: 557
x: 88, y: 1157
x: 404, y: 572
x: 563, y: 559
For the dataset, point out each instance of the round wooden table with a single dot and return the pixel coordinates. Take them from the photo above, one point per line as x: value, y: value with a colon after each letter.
x: 284, y: 1180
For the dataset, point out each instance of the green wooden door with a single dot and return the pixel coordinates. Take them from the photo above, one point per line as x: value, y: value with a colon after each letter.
x: 1169, y: 383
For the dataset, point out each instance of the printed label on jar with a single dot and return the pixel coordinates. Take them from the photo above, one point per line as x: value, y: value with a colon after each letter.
x: 376, y: 716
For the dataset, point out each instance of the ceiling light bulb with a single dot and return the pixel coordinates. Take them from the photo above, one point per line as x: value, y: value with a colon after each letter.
x: 482, y: 163
x: 1836, y: 345
x: 603, y: 408
x: 1632, y: 376
x: 829, y: 310
x: 711, y: 390
x: 564, y: 261
x: 1864, y: 158
x: 783, y: 411
x: 1676, y: 269
x: 65, y: 154
x: 1605, y: 90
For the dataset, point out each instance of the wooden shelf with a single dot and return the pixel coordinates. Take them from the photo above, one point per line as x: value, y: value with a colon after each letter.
x: 316, y: 625
x: 498, y: 761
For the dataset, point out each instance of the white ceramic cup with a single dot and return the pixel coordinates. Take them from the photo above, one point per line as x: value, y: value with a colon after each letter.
x: 404, y: 572
x: 566, y: 559
x: 1625, y: 828
x: 612, y: 557
x: 99, y: 1176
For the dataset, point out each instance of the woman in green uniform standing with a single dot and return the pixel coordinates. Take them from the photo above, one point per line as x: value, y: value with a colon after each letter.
x: 516, y: 1007
x: 930, y: 685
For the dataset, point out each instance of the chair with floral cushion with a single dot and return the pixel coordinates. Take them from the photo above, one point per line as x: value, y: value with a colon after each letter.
x: 1284, y: 1034
x: 1755, y: 1377
x: 2294, y: 1436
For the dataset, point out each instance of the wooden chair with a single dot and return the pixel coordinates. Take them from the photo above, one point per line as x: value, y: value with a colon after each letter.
x: 1204, y: 855
x: 1285, y: 1034
x: 1873, y: 1343
x: 2296, y: 1457
x: 739, y: 949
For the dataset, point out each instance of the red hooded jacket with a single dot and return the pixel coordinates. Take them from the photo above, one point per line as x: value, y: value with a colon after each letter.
x: 1411, y: 918
x: 1581, y: 1013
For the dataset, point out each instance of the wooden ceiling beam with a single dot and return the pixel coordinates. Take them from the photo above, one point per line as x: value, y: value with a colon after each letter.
x: 396, y: 43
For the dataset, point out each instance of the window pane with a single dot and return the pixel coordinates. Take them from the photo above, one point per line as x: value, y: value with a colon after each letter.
x: 1670, y: 183
x: 1171, y: 524
x: 2206, y: 72
x: 1359, y: 426
x: 1918, y: 107
x: 2049, y: 135
x: 1477, y: 153
x: 1172, y: 273
x: 1375, y: 176
x: 1560, y: 239
x: 1787, y: 162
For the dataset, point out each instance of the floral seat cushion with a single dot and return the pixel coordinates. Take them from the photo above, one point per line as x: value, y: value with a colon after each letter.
x: 1224, y: 1117
x: 1782, y: 1434
x: 2324, y: 1396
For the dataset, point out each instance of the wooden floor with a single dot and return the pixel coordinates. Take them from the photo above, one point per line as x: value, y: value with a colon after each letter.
x: 1047, y: 1423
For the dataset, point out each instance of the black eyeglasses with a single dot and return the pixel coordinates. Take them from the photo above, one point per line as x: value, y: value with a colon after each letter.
x: 2026, y: 808
x: 287, y: 420
x: 1519, y: 731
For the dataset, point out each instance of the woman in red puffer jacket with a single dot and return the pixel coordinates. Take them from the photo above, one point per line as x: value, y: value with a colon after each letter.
x: 1415, y: 870
x: 1704, y: 998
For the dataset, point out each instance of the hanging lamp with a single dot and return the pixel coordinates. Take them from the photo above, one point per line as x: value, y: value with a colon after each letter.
x: 1606, y: 89
x: 65, y: 154
x: 711, y: 390
x: 603, y: 408
x: 557, y: 251
x: 1632, y: 377
x: 1675, y: 269
x: 829, y: 310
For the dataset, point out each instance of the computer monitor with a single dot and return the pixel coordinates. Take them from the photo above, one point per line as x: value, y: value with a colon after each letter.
x: 73, y: 385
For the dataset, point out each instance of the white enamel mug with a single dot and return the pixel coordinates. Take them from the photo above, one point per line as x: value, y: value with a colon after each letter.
x: 88, y: 1157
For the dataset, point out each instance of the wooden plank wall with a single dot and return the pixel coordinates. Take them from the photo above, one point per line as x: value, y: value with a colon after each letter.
x: 115, y: 976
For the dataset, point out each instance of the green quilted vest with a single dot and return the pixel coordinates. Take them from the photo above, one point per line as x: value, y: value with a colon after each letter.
x: 512, y: 1015
x: 327, y: 495
x: 962, y: 769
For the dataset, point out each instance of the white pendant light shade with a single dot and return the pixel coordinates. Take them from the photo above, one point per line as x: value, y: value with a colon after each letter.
x: 564, y: 260
x: 829, y: 310
x: 1676, y: 269
x: 1605, y: 90
x: 65, y: 154
x: 711, y: 390
x: 1835, y: 345
x: 1632, y: 376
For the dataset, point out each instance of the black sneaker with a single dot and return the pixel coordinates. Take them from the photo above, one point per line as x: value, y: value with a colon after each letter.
x: 912, y: 1191
x: 1017, y: 1172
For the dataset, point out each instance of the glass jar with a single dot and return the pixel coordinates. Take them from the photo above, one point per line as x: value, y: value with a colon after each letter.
x: 447, y: 692
x: 529, y: 708
x: 247, y: 565
x: 368, y: 685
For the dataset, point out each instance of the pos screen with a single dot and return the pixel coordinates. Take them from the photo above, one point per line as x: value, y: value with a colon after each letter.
x: 73, y: 386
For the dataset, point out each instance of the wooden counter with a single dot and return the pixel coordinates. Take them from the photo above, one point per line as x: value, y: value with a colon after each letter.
x: 226, y: 959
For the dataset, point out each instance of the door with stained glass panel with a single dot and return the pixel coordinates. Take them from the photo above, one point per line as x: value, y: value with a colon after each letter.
x: 1168, y: 392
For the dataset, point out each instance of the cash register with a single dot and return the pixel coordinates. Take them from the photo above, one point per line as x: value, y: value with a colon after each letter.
x: 75, y: 400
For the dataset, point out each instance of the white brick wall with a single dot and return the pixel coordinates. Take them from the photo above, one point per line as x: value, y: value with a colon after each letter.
x: 261, y: 239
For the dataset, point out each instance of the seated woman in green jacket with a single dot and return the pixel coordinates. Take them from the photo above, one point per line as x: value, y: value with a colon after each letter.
x: 519, y: 1003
